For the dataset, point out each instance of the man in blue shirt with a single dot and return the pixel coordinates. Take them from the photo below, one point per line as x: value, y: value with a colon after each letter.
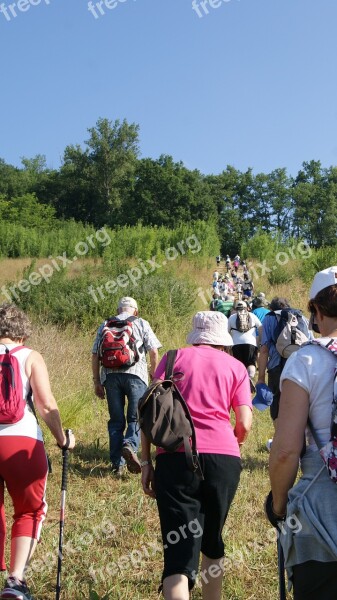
x: 269, y: 358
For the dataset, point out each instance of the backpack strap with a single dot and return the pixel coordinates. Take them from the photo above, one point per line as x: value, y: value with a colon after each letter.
x: 30, y: 402
x: 171, y: 357
x: 331, y: 346
x: 191, y: 453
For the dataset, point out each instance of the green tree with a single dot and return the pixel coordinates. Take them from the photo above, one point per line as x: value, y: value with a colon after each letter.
x: 167, y: 193
x: 28, y: 211
x: 98, y: 180
x: 315, y: 204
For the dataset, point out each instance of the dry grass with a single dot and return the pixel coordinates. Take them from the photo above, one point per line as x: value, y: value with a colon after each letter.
x: 112, y: 535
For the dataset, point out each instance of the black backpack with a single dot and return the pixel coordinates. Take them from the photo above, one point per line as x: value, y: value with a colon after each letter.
x: 165, y: 419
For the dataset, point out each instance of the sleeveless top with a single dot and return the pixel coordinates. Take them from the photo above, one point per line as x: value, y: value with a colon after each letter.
x: 27, y: 426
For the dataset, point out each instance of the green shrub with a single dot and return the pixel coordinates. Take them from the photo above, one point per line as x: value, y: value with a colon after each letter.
x: 317, y: 261
x: 279, y: 276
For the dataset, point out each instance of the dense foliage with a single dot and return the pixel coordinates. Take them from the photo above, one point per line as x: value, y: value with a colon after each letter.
x: 107, y: 184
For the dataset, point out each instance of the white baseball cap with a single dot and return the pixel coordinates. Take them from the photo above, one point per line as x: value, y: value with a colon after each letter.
x: 127, y: 301
x: 322, y: 280
x: 240, y: 305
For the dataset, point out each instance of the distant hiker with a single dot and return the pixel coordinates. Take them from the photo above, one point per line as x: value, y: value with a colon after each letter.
x: 305, y: 512
x: 213, y: 385
x: 269, y: 358
x: 244, y: 267
x: 218, y: 260
x: 116, y: 383
x: 247, y: 286
x: 223, y: 306
x: 216, y: 275
x: 216, y: 289
x: 239, y: 288
x: 236, y: 264
x: 229, y: 284
x: 228, y: 263
x: 243, y: 327
x: 223, y: 288
x: 23, y: 462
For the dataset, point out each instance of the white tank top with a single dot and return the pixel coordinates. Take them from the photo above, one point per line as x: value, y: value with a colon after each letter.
x: 27, y: 426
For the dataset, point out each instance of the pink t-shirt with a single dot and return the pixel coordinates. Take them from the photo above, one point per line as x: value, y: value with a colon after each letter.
x: 214, y: 383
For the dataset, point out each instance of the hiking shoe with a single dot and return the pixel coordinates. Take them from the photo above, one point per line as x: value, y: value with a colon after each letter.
x: 131, y: 458
x: 118, y: 472
x: 14, y: 588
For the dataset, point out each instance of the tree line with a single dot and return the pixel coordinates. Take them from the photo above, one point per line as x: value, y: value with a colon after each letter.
x: 104, y: 182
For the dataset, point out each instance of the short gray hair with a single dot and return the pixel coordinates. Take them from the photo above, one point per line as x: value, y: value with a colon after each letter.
x: 14, y: 323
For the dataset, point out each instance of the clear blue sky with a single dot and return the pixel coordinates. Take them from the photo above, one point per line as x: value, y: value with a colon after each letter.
x: 253, y: 83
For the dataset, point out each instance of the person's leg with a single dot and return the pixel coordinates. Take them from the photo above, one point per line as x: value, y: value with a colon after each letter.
x: 222, y: 475
x: 175, y: 587
x: 274, y: 384
x: 181, y: 522
x: 22, y: 550
x: 315, y: 580
x: 134, y: 389
x: 251, y: 371
x: 2, y: 526
x: 251, y: 360
x: 212, y: 571
x: 115, y: 394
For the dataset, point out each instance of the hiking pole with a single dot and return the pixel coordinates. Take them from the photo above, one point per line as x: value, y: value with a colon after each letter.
x: 280, y: 565
x: 65, y: 456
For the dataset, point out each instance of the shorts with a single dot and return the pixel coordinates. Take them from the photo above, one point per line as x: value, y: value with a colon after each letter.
x: 193, y: 511
x: 245, y: 353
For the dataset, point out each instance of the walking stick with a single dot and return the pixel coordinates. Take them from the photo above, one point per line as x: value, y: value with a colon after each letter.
x: 280, y: 565
x: 62, y: 512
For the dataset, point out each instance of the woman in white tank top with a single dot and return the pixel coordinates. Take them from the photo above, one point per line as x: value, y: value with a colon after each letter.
x: 23, y: 463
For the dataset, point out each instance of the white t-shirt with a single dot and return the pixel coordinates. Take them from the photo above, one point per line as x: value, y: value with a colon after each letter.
x: 247, y: 337
x: 27, y: 426
x: 312, y: 368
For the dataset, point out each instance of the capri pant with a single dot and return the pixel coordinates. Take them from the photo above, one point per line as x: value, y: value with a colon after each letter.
x: 193, y: 511
x: 23, y: 469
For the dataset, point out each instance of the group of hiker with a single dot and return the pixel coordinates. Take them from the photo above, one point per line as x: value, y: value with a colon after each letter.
x: 215, y: 375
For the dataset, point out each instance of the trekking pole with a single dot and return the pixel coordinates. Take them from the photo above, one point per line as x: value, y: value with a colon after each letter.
x: 65, y: 456
x: 280, y: 565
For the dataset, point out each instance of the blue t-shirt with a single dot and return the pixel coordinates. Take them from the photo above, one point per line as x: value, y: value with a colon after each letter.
x: 261, y: 312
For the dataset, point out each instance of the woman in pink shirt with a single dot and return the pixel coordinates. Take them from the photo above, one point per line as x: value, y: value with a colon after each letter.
x: 192, y: 510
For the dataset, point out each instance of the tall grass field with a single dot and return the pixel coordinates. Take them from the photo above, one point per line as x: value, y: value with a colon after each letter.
x: 112, y: 543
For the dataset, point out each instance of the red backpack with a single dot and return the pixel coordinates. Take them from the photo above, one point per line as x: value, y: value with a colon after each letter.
x: 118, y: 348
x: 12, y: 401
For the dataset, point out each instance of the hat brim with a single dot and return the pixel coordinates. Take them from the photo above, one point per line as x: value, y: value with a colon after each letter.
x: 259, y: 404
x: 205, y: 337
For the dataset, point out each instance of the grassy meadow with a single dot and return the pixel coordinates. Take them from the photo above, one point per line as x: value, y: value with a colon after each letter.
x: 112, y: 536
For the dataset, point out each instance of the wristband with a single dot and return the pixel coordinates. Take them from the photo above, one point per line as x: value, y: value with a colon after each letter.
x: 273, y: 518
x: 143, y: 463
